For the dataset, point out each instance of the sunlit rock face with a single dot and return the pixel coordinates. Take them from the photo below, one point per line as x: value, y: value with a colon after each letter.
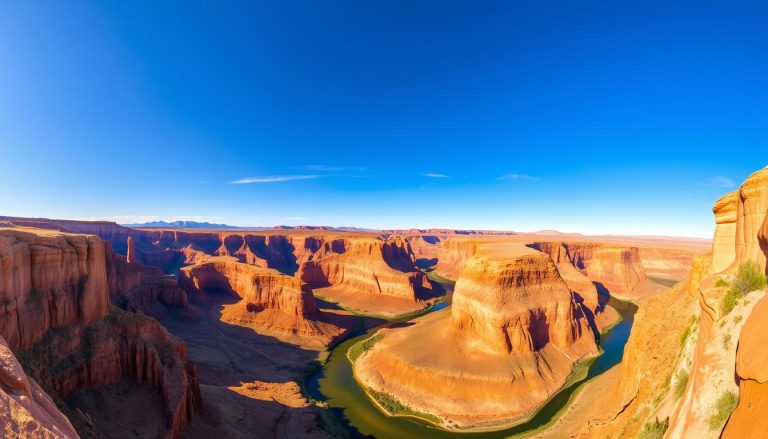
x: 723, y: 244
x: 509, y: 342
x: 750, y: 218
x: 26, y: 411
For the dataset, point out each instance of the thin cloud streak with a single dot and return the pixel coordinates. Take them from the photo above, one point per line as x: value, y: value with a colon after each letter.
x: 718, y: 182
x: 274, y: 179
x: 516, y: 177
x: 327, y: 168
x: 435, y: 175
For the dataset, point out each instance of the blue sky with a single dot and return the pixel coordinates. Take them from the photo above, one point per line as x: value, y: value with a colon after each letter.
x: 597, y: 117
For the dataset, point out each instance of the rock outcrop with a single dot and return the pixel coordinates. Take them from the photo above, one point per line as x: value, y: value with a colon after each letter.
x: 55, y: 293
x: 723, y: 248
x: 749, y: 420
x: 508, y: 343
x: 26, y: 411
x: 137, y: 287
x: 270, y: 301
x: 751, y: 215
x: 369, y: 274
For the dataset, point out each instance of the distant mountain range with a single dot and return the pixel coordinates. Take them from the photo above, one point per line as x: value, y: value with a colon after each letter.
x: 182, y: 225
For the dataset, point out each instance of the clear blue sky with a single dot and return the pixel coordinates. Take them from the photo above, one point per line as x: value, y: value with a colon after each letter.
x: 590, y: 116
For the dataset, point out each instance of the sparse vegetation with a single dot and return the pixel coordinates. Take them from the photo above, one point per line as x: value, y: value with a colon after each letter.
x: 654, y: 430
x: 681, y: 382
x: 361, y: 347
x: 721, y: 283
x: 724, y: 407
x: 738, y: 319
x: 393, y: 406
x: 748, y: 278
x: 726, y: 341
x: 684, y: 336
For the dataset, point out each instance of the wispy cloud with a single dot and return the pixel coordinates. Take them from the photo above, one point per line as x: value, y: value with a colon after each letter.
x: 327, y: 168
x: 434, y: 175
x: 274, y: 179
x: 718, y: 182
x: 516, y: 177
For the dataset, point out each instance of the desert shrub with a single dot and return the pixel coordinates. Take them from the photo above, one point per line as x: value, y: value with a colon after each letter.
x: 684, y: 336
x: 721, y: 283
x: 737, y: 319
x: 748, y: 278
x: 681, y: 382
x: 726, y: 341
x: 654, y: 430
x: 723, y: 409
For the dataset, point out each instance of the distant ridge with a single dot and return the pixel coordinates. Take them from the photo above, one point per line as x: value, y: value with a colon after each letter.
x: 181, y: 225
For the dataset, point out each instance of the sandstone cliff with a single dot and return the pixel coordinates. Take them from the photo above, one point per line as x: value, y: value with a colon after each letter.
x: 508, y: 343
x: 270, y: 301
x: 49, y: 280
x: 749, y: 420
x: 26, y: 411
x: 55, y: 292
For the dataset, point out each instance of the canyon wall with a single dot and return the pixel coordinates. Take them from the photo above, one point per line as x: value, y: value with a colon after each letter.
x: 615, y: 270
x: 55, y: 315
x: 49, y: 281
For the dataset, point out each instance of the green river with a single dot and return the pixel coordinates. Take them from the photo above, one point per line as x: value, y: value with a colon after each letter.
x: 335, y: 385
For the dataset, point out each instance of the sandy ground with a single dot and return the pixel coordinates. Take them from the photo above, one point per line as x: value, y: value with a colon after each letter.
x: 121, y: 410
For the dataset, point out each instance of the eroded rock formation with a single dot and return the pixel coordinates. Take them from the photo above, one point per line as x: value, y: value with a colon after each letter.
x: 270, y: 300
x: 509, y: 342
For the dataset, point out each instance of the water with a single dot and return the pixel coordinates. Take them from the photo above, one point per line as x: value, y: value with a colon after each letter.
x: 336, y: 385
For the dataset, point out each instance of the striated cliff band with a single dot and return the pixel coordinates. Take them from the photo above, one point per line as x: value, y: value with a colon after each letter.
x: 57, y: 319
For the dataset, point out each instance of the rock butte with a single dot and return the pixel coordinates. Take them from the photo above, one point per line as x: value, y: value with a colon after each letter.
x: 519, y: 320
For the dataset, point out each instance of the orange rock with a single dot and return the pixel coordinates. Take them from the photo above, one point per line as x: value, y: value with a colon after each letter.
x: 271, y: 301
x: 723, y: 245
x: 509, y: 342
x: 49, y: 280
x: 26, y: 412
x: 749, y: 420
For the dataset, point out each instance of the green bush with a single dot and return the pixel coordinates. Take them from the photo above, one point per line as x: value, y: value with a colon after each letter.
x: 726, y: 341
x: 724, y: 407
x: 721, y: 283
x: 748, y: 278
x: 357, y: 349
x: 654, y: 430
x: 681, y: 382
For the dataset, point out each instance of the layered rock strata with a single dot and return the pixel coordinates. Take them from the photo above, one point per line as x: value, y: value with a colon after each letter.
x: 55, y: 294
x: 509, y: 342
x: 269, y: 300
